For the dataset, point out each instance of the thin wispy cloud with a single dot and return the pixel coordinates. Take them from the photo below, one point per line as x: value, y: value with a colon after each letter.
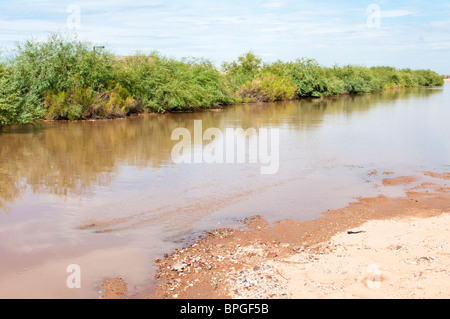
x: 408, y: 34
x: 395, y: 13
x: 272, y: 5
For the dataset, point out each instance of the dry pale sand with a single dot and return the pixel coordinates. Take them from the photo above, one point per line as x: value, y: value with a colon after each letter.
x: 396, y: 258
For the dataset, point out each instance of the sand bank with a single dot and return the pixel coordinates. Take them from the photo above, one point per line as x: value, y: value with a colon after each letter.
x: 376, y: 247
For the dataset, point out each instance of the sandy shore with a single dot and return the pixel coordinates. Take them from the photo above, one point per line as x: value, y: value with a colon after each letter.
x: 397, y: 258
x: 377, y: 247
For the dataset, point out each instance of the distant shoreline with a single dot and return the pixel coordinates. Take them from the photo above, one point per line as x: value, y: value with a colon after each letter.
x: 38, y: 84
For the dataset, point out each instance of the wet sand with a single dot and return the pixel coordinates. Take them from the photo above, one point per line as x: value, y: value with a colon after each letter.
x: 377, y: 247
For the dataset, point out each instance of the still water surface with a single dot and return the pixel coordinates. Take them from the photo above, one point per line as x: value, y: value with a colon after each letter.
x: 106, y: 195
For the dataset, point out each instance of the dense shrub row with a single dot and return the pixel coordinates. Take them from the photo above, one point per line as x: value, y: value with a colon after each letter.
x: 64, y: 78
x: 313, y: 80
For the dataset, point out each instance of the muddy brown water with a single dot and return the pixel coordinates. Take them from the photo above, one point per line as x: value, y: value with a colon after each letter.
x: 107, y: 196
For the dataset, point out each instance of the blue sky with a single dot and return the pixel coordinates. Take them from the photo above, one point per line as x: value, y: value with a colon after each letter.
x: 413, y: 34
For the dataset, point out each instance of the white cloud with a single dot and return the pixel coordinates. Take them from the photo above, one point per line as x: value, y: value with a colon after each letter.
x: 395, y: 13
x: 272, y: 5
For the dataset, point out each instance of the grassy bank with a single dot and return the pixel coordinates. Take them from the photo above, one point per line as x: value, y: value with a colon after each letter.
x: 63, y: 78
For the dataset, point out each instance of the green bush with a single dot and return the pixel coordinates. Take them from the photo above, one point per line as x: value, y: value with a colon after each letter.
x: 164, y: 84
x: 59, y: 63
x: 357, y: 79
x: 267, y: 87
x: 55, y: 65
x: 9, y: 102
x: 427, y: 78
x: 310, y: 79
x: 406, y: 79
x: 307, y: 75
x: 242, y: 71
x: 83, y: 103
x: 14, y: 108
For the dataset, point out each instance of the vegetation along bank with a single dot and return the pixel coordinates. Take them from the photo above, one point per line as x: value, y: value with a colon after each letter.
x: 63, y: 78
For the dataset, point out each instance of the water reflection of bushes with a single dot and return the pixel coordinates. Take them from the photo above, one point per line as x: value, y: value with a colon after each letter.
x: 72, y: 158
